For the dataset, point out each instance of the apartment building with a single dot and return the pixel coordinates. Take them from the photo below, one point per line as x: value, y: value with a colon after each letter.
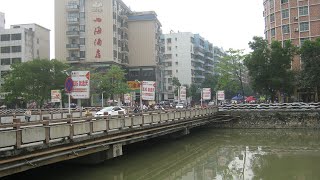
x: 295, y: 20
x: 98, y: 33
x: 145, y: 49
x: 188, y: 57
x: 22, y: 43
x: 91, y: 31
x: 2, y: 20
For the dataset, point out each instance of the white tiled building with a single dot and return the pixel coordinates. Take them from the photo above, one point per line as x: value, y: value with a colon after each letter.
x: 2, y: 20
x: 189, y: 57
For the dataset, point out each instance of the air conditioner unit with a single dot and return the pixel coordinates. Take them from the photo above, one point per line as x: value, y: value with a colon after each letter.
x: 296, y: 29
x: 296, y: 18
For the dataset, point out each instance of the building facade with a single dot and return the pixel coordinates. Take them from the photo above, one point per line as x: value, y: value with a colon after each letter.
x: 188, y: 57
x: 2, y: 20
x: 91, y: 31
x: 99, y: 33
x: 22, y: 43
x: 295, y: 20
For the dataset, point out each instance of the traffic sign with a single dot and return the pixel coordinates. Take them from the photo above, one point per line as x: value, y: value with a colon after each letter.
x: 68, y: 85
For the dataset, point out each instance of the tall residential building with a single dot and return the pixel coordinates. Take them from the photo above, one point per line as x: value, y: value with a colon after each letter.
x: 21, y: 43
x: 2, y: 20
x: 98, y: 33
x: 295, y: 20
x: 91, y: 31
x: 145, y: 49
x: 188, y: 57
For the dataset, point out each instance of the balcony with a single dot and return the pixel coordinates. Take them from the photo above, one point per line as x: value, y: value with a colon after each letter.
x: 73, y: 33
x: 73, y: 46
x: 123, y: 15
x: 72, y: 7
x: 74, y: 58
x: 209, y: 65
x: 197, y: 68
x: 73, y: 20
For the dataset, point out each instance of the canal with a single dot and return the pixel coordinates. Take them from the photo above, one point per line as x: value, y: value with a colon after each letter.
x: 204, y: 154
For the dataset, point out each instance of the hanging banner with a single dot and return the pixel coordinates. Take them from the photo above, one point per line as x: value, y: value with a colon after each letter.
x: 148, y: 90
x: 220, y: 95
x: 206, y: 93
x: 55, y: 96
x: 183, y: 93
x: 81, y: 84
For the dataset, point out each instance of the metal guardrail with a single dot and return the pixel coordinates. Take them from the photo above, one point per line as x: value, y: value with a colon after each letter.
x: 276, y: 106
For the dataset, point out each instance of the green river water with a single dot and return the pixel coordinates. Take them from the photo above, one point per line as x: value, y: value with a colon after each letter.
x: 205, y: 154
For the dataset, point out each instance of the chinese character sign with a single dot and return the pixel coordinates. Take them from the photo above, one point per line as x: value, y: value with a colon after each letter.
x: 81, y: 84
x: 183, y: 93
x: 55, y: 96
x: 133, y: 85
x: 206, y: 93
x: 148, y: 90
x: 220, y: 95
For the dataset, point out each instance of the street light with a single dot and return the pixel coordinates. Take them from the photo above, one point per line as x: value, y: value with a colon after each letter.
x: 140, y: 83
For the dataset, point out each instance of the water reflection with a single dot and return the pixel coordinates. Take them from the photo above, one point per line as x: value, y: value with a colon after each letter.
x: 208, y: 154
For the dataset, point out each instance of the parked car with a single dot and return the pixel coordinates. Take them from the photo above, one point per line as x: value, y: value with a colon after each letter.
x: 110, y: 111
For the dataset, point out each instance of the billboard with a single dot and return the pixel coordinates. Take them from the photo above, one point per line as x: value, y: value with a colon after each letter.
x: 81, y: 84
x: 220, y: 95
x: 148, y: 90
x: 183, y: 93
x: 133, y: 85
x: 206, y: 93
x: 127, y: 98
x: 55, y: 96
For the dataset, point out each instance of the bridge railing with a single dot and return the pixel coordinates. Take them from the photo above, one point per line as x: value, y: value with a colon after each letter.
x: 19, y: 134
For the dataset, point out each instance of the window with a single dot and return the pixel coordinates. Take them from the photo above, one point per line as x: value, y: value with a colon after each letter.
x: 82, y: 54
x: 169, y: 48
x: 169, y: 80
x: 5, y: 61
x: 82, y: 41
x: 16, y: 60
x: 177, y: 63
x: 285, y: 13
x: 16, y: 49
x: 284, y: 1
x: 303, y: 11
x: 176, y: 47
x: 304, y: 26
x: 5, y: 37
x: 169, y: 40
x: 285, y: 29
x: 115, y: 54
x: 16, y: 36
x: 177, y: 71
x: 38, y: 40
x: 176, y: 39
x: 272, y: 18
x: 176, y: 55
x: 271, y: 3
x: 273, y: 32
x: 82, y: 28
x: 169, y: 88
x: 5, y: 49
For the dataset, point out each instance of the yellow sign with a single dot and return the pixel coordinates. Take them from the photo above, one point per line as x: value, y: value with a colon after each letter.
x: 133, y: 85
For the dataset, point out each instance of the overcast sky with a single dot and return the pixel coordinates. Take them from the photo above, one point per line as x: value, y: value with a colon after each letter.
x: 225, y: 23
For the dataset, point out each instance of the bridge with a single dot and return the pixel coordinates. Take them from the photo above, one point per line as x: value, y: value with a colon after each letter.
x: 88, y: 139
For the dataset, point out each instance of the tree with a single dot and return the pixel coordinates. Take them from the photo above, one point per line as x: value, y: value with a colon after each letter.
x: 310, y: 56
x: 34, y: 80
x: 176, y: 83
x: 230, y: 70
x: 210, y: 81
x: 270, y: 67
x: 111, y: 83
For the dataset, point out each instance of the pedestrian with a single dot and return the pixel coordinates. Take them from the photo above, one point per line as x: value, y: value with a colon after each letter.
x: 27, y: 115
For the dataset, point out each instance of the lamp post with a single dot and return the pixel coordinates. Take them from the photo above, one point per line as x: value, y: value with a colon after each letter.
x: 140, y: 83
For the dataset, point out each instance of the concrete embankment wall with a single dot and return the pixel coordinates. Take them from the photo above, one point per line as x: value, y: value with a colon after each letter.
x: 273, y: 119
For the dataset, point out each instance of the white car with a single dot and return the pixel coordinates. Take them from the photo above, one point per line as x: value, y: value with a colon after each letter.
x: 179, y: 106
x: 110, y: 111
